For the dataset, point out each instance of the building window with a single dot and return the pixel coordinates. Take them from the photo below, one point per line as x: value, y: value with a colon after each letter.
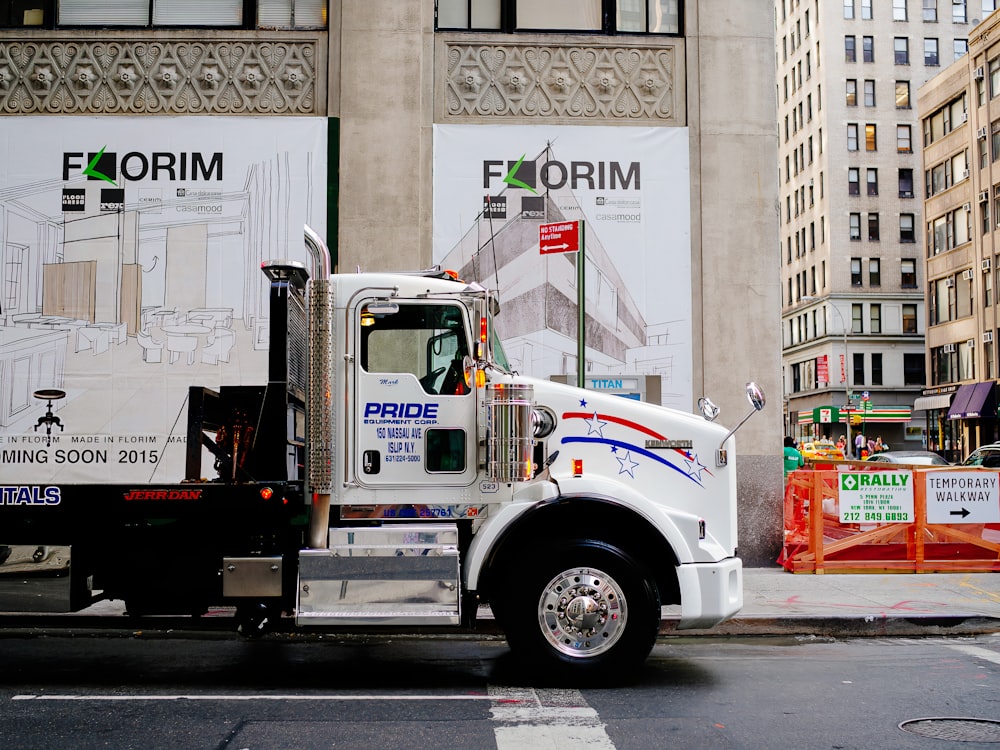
x: 632, y: 17
x: 907, y: 231
x: 960, y: 47
x: 904, y: 139
x: 857, y: 324
x: 284, y: 14
x: 987, y: 290
x: 906, y: 183
x: 858, y: 361
x: 852, y: 92
x: 994, y: 77
x: 850, y: 49
x: 870, y: 137
x: 855, y: 220
x: 853, y: 181
x: 902, y: 94
x: 872, y: 182
x: 914, y: 368
x: 995, y: 139
x: 898, y: 10
x: 876, y: 363
x: 873, y: 233
x: 26, y: 13
x: 855, y: 269
x: 901, y: 50
x: 848, y: 8
x: 852, y: 136
x: 930, y: 11
x: 869, y: 93
x: 874, y: 271
x: 958, y: 11
x: 909, y: 318
x: 866, y: 10
x: 931, y: 52
x: 908, y: 273
x: 868, y: 48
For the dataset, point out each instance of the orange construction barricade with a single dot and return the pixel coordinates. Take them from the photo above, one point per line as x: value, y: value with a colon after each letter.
x: 855, y: 517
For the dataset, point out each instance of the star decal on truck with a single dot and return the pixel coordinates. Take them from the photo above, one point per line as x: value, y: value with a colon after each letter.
x: 688, y: 466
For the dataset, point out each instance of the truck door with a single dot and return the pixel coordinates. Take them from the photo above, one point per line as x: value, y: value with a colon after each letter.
x: 414, y: 405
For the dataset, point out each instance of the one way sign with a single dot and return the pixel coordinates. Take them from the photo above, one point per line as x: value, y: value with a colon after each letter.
x: 963, y: 496
x: 560, y: 237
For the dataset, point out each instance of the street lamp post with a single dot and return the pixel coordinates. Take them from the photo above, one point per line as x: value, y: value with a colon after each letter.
x: 847, y: 377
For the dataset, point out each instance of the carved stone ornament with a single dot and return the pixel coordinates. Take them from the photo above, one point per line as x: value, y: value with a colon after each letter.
x: 192, y: 76
x: 585, y: 82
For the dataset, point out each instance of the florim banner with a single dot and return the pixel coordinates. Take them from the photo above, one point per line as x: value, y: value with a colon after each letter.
x: 496, y: 185
x: 130, y: 257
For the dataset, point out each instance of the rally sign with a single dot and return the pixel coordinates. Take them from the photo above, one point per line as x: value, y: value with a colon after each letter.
x: 876, y: 497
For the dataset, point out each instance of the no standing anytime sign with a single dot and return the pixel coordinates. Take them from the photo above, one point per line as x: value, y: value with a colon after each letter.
x: 559, y: 237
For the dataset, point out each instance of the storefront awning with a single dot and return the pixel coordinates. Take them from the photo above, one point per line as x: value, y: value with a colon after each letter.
x: 937, y: 401
x: 972, y: 401
x: 885, y: 414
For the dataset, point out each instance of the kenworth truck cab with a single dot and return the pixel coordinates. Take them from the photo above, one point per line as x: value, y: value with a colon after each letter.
x: 394, y: 472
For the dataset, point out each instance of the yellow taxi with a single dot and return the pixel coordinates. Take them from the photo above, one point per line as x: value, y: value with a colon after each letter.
x: 821, y: 449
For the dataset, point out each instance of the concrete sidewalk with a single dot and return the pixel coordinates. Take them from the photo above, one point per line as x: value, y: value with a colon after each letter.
x: 779, y: 602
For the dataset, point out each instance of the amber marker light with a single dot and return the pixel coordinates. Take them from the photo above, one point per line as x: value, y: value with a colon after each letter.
x: 267, y: 493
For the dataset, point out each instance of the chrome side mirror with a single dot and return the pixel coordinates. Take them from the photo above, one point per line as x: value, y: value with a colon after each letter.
x: 756, y: 398
x: 708, y: 410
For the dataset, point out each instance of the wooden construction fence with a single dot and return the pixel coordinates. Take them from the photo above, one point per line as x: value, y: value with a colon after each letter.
x: 817, y: 541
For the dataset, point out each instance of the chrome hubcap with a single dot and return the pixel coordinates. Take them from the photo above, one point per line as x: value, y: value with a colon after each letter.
x: 582, y: 612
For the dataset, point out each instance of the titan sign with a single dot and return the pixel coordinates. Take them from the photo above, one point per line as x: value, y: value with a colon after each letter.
x: 159, y: 165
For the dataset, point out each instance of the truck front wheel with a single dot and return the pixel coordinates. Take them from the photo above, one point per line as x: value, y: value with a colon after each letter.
x: 586, y: 610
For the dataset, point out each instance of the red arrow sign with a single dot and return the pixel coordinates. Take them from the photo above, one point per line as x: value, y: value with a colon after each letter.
x: 561, y: 237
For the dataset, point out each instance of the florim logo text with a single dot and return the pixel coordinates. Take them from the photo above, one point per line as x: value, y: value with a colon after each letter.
x: 159, y: 165
x: 592, y: 175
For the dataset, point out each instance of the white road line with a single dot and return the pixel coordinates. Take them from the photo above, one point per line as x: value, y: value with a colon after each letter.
x: 537, y: 719
x: 977, y: 651
x: 270, y: 697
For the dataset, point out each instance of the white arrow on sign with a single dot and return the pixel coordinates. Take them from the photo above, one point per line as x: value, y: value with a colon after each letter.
x: 963, y: 496
x: 553, y: 248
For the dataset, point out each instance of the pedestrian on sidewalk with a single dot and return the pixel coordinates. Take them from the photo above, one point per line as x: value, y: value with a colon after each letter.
x: 793, y: 459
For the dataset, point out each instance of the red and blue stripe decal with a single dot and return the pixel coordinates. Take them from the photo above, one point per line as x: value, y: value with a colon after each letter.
x: 688, y: 466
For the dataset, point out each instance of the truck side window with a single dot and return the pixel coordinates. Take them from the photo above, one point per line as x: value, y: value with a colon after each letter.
x: 445, y: 450
x: 427, y: 340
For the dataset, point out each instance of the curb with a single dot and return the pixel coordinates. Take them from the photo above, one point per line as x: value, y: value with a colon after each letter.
x: 859, y: 626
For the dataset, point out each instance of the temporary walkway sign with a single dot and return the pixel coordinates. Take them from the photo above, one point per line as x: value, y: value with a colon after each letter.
x: 963, y: 497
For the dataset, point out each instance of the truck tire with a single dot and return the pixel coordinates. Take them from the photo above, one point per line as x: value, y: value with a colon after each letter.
x: 586, y: 610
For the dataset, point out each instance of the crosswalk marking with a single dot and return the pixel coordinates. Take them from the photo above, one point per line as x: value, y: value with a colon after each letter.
x: 530, y: 718
x: 977, y: 651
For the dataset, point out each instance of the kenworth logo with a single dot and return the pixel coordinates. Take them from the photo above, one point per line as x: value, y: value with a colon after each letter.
x: 159, y: 165
x: 600, y: 175
x: 29, y: 495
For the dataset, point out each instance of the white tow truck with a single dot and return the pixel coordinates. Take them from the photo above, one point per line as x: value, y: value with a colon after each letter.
x: 394, y: 473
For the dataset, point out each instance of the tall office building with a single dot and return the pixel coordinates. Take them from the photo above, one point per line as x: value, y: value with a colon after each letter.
x: 961, y: 149
x: 851, y: 210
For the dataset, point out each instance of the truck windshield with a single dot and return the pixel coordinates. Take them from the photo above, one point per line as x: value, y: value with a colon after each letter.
x: 499, y: 355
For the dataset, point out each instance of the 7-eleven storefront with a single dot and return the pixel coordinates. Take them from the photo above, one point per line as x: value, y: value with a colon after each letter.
x: 889, y: 422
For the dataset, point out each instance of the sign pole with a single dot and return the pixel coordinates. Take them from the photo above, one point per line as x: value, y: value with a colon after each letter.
x: 581, y: 322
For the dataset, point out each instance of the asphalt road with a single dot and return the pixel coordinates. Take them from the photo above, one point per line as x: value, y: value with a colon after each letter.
x: 136, y: 691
